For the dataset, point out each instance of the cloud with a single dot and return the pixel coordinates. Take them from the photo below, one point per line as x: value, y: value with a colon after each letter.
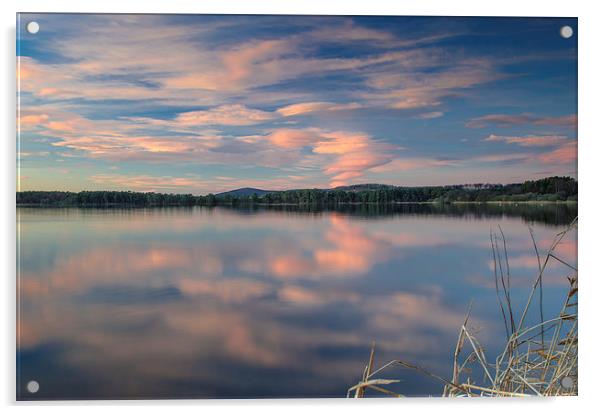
x: 157, y: 140
x: 293, y: 138
x: 92, y: 100
x: 191, y: 65
x: 342, y: 143
x: 346, y: 155
x: 355, y: 155
x: 241, y: 115
x: 502, y: 157
x: 122, y: 141
x: 413, y: 89
x: 348, y: 31
x: 353, y: 165
x: 429, y: 115
x: 32, y: 120
x: 566, y: 153
x: 26, y: 154
x: 309, y: 107
x: 529, y: 140
x: 522, y: 119
x: 224, y: 115
x: 195, y: 69
x: 246, y: 65
x: 340, y: 155
x: 143, y: 148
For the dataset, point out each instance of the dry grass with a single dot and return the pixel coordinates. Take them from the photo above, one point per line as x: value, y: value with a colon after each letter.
x: 537, y: 360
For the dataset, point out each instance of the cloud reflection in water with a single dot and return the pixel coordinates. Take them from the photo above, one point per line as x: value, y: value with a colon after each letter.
x: 216, y: 303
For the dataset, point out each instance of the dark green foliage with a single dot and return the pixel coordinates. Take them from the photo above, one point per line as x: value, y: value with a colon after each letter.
x: 551, y: 185
x: 104, y: 198
x: 547, y: 189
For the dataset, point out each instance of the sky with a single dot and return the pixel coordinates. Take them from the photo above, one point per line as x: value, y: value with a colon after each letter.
x: 208, y: 103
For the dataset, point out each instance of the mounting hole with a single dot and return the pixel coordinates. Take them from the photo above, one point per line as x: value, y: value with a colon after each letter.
x: 33, y: 27
x: 567, y: 383
x: 33, y: 387
x: 566, y: 31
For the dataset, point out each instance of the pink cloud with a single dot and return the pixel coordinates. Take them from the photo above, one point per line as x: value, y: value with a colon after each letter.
x: 242, y: 62
x: 209, y: 75
x: 147, y: 148
x: 342, y: 178
x: 357, y: 162
x: 342, y: 143
x: 566, y: 153
x: 308, y: 107
x: 224, y: 115
x: 293, y: 138
x: 354, y: 164
x: 192, y: 74
x: 163, y: 140
x: 529, y: 140
x: 259, y: 63
x: 343, y: 157
x: 348, y: 155
x: 29, y: 121
x: 522, y: 119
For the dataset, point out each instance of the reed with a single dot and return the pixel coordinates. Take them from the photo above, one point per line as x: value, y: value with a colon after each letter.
x: 537, y: 360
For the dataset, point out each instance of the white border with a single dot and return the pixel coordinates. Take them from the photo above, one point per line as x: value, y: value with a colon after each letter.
x: 590, y: 70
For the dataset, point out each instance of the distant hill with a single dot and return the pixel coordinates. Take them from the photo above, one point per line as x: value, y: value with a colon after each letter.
x: 247, y: 191
x: 244, y: 192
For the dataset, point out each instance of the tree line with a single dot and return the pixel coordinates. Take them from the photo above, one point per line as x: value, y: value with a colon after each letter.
x: 546, y: 189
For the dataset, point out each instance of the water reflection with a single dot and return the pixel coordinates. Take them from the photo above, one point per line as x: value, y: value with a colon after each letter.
x: 193, y: 303
x: 547, y: 213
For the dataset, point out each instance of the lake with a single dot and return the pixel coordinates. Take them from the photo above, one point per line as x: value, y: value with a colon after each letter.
x: 257, y: 302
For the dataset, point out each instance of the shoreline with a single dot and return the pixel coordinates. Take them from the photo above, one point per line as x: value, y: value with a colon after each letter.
x: 247, y: 204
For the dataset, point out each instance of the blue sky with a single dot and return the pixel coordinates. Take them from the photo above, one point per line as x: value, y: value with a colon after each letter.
x: 185, y: 103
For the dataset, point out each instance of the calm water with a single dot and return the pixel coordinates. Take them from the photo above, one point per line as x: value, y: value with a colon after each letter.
x: 206, y: 303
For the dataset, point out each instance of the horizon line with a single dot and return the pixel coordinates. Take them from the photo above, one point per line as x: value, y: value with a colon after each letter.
x: 304, y: 188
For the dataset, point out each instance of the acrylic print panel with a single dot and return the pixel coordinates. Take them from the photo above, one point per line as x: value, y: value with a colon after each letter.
x: 214, y: 206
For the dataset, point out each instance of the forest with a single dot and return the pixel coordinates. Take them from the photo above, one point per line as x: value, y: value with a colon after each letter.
x: 546, y: 189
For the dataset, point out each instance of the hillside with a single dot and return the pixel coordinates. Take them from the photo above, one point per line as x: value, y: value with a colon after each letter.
x: 244, y: 192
